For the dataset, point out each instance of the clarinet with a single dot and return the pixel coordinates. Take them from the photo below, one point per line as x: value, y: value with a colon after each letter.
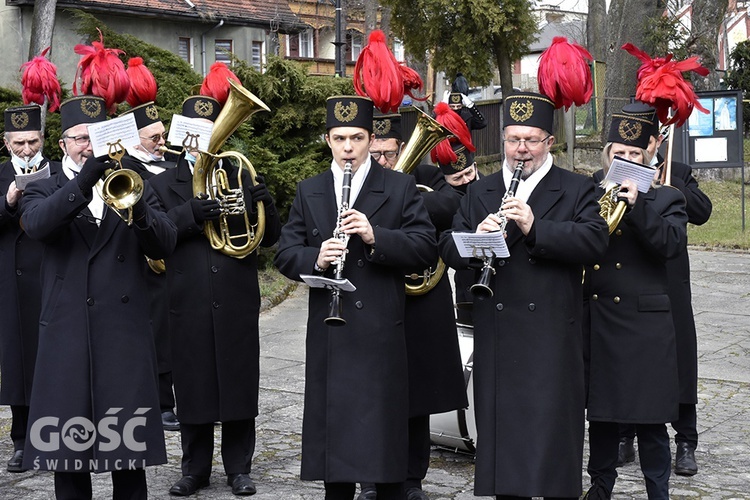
x: 336, y: 306
x: 482, y: 289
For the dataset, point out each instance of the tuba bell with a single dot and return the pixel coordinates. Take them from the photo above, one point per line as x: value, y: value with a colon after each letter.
x: 210, y: 179
x: 427, y: 134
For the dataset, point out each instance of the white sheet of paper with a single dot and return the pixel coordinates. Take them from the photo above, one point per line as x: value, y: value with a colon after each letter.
x: 713, y: 149
x: 106, y: 133
x: 181, y: 125
x: 621, y: 169
x: 323, y: 282
x: 23, y: 180
x: 480, y: 245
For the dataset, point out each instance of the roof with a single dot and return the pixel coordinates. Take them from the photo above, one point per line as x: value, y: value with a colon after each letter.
x: 573, y: 31
x: 274, y: 14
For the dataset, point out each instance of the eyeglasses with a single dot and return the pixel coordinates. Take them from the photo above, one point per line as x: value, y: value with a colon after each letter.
x: 155, y: 138
x: 530, y: 143
x: 389, y: 155
x: 80, y: 140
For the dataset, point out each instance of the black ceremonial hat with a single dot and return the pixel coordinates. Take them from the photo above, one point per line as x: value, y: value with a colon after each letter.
x: 386, y: 126
x: 455, y: 98
x: 630, y: 130
x: 201, y: 106
x: 146, y: 114
x: 464, y: 158
x: 529, y: 109
x: 640, y: 110
x: 349, y: 111
x: 23, y: 119
x: 82, y: 109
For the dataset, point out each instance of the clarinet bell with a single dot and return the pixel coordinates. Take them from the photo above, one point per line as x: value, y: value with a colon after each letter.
x: 482, y: 289
x: 334, y: 312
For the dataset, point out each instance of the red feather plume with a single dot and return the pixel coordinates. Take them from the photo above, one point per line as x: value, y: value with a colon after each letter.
x: 451, y: 120
x: 40, y: 83
x: 662, y: 85
x: 142, y: 83
x: 216, y: 85
x: 102, y: 73
x: 379, y: 76
x: 564, y: 74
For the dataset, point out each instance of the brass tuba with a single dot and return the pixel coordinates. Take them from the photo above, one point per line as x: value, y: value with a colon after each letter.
x: 427, y: 134
x: 210, y: 179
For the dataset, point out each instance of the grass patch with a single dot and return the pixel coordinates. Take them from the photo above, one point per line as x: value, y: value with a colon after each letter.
x: 724, y: 228
x: 272, y: 282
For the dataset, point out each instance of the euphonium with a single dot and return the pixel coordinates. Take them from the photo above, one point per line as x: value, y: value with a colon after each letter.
x: 482, y: 287
x: 121, y: 188
x: 427, y: 134
x: 210, y: 179
x: 335, y: 312
x: 610, y: 208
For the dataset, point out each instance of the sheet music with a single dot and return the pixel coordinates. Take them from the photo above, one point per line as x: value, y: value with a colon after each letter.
x: 322, y: 282
x: 621, y: 169
x: 181, y: 125
x: 108, y: 132
x: 23, y: 180
x: 481, y: 245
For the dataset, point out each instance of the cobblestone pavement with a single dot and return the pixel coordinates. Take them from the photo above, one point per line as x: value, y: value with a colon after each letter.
x: 721, y: 300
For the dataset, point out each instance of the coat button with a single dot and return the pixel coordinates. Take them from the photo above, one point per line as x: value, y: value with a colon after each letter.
x: 618, y: 266
x: 359, y: 304
x: 596, y: 267
x: 499, y: 307
x: 501, y: 262
x: 215, y: 305
x: 18, y: 272
x: 532, y: 260
x: 618, y: 232
x: 90, y: 301
x: 71, y: 197
x: 124, y: 299
x: 616, y: 300
x: 595, y: 297
x: 214, y: 269
x: 532, y: 307
x: 121, y: 258
x: 360, y: 263
x: 315, y: 232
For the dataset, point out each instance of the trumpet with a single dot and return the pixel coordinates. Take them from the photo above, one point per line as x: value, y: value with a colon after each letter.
x: 335, y: 312
x: 482, y: 288
x: 611, y: 208
x: 121, y: 188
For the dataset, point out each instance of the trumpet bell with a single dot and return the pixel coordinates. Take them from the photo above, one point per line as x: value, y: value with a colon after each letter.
x: 122, y: 189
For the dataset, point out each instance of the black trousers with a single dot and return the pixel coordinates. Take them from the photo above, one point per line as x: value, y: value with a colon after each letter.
x: 126, y: 485
x: 686, y: 426
x: 653, y: 452
x: 419, y: 451
x: 18, y: 426
x: 346, y: 491
x: 509, y: 497
x: 237, y: 447
x: 166, y: 394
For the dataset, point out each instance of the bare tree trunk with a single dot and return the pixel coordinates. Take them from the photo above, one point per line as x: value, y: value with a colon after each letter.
x: 385, y: 20
x: 371, y: 18
x: 504, y: 67
x: 42, y: 26
x: 596, y: 29
x: 626, y: 22
x: 707, y: 18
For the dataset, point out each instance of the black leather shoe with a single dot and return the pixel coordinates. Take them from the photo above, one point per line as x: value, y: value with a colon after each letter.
x: 415, y: 493
x: 367, y: 492
x: 596, y: 492
x: 169, y: 421
x: 684, y: 464
x: 188, y: 485
x: 15, y: 464
x: 241, y: 484
x: 626, y: 452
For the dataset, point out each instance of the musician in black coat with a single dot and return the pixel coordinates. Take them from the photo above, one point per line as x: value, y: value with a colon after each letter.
x: 20, y: 258
x: 96, y: 365
x: 698, y: 207
x: 630, y: 337
x: 356, y: 392
x: 436, y: 378
x: 528, y: 367
x: 214, y: 304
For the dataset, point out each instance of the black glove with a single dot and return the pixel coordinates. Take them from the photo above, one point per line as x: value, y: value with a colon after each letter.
x: 92, y: 170
x: 259, y: 192
x: 204, y: 209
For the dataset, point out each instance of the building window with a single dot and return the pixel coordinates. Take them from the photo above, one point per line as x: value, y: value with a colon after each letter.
x: 185, y: 49
x: 398, y: 51
x: 301, y: 44
x: 355, y: 44
x: 223, y: 51
x: 257, y: 56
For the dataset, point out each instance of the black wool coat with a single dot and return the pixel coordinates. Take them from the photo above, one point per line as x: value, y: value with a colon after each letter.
x: 356, y: 389
x: 528, y: 363
x: 96, y: 356
x: 214, y: 303
x: 20, y: 297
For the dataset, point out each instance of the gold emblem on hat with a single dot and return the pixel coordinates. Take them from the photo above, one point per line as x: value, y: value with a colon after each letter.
x: 203, y: 107
x: 91, y: 107
x: 345, y: 114
x: 521, y: 111
x: 630, y: 130
x: 151, y: 112
x: 381, y: 127
x: 19, y: 119
x: 455, y: 98
x: 460, y: 162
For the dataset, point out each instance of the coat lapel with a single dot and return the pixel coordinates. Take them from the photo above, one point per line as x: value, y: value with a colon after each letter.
x: 372, y: 196
x: 183, y: 183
